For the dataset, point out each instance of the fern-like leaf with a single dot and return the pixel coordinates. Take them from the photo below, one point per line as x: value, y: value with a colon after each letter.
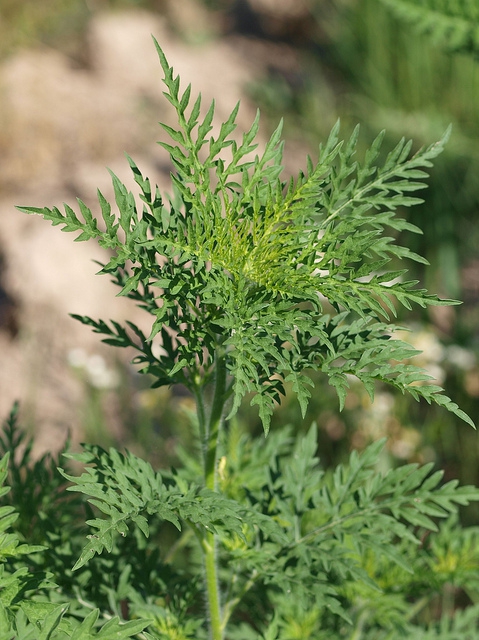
x: 331, y: 522
x: 128, y: 492
x: 271, y: 274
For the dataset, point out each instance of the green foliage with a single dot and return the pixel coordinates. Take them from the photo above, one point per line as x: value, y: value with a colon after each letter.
x: 38, y: 494
x: 463, y: 625
x: 126, y: 488
x: 278, y: 277
x: 392, y: 77
x: 452, y: 24
x: 25, y: 612
x: 283, y: 499
x: 322, y: 550
x: 254, y: 283
x: 343, y: 532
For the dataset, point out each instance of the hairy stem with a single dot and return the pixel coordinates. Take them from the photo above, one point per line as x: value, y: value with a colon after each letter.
x: 214, y: 425
x: 212, y: 587
x: 211, y: 434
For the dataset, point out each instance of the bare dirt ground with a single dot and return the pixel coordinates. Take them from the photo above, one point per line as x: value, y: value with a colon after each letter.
x: 61, y: 125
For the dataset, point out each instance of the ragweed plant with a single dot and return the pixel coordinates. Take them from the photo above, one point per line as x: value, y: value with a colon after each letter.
x: 253, y: 282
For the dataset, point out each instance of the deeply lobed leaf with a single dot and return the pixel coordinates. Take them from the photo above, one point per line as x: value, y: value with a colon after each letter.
x: 273, y: 274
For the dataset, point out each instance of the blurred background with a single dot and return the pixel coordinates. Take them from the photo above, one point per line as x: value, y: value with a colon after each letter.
x: 80, y: 84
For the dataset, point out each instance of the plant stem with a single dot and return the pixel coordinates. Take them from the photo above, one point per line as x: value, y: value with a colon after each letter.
x: 214, y: 425
x: 212, y: 587
x: 210, y: 472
